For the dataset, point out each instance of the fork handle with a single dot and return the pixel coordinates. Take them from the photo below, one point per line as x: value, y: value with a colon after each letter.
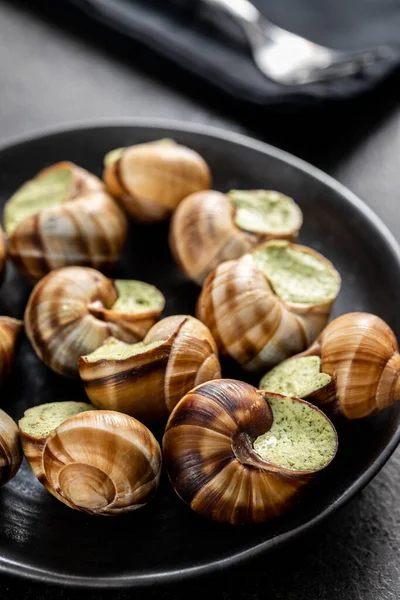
x: 249, y: 17
x: 243, y: 10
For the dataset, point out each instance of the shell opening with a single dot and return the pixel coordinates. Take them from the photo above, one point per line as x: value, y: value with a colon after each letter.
x: 41, y: 420
x: 297, y: 275
x: 45, y: 191
x: 301, y: 437
x: 137, y: 297
x: 86, y: 486
x: 265, y: 211
x: 113, y: 349
x: 297, y: 377
x: 114, y: 155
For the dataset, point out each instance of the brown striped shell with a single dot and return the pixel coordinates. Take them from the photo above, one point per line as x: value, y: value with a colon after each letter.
x: 204, y: 233
x: 211, y: 462
x: 150, y: 180
x: 361, y: 354
x: 148, y: 385
x: 3, y: 255
x: 88, y: 228
x: 10, y: 448
x: 10, y: 330
x: 98, y: 462
x: 69, y: 314
x: 252, y: 324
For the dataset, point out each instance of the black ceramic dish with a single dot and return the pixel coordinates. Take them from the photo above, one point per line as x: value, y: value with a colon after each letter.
x: 42, y: 539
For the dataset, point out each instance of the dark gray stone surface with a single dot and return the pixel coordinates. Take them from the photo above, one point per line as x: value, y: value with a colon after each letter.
x: 52, y: 71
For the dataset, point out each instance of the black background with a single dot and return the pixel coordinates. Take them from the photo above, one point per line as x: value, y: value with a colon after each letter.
x: 54, y: 70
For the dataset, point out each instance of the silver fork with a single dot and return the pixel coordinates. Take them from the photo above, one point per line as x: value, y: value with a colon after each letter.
x: 290, y: 59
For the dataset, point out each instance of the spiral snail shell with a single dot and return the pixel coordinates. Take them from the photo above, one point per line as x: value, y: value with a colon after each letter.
x: 147, y: 380
x: 353, y: 368
x: 10, y: 448
x: 238, y: 455
x: 73, y: 310
x: 98, y: 462
x: 269, y: 304
x: 3, y: 255
x: 208, y: 227
x: 151, y: 179
x: 63, y: 217
x: 10, y: 330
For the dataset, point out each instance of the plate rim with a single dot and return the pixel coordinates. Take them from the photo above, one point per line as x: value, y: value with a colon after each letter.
x: 21, y: 570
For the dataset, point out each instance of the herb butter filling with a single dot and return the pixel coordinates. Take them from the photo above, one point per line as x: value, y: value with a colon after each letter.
x: 137, y: 297
x: 295, y: 275
x: 265, y: 211
x: 116, y: 350
x: 301, y: 438
x: 36, y: 195
x: 41, y: 420
x: 297, y: 377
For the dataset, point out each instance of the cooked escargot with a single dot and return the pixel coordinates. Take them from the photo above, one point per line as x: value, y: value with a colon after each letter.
x: 208, y: 227
x: 150, y: 180
x: 3, y: 255
x: 269, y: 304
x: 9, y: 333
x: 62, y: 217
x: 10, y: 448
x: 73, y: 310
x: 99, y: 462
x: 147, y: 379
x: 353, y: 368
x: 239, y: 455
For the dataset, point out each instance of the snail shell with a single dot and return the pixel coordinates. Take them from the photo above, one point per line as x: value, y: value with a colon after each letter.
x: 71, y: 220
x: 10, y: 330
x: 360, y: 353
x: 250, y: 322
x: 70, y: 313
x: 208, y: 227
x: 10, y: 448
x: 210, y: 458
x: 150, y: 180
x: 3, y: 255
x: 98, y: 462
x: 179, y: 355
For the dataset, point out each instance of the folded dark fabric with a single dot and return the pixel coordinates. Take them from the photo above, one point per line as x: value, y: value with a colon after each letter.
x: 211, y: 46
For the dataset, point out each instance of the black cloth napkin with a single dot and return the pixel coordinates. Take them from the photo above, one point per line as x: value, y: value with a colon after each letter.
x: 211, y: 46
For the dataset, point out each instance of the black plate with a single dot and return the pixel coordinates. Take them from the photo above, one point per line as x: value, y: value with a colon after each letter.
x: 42, y: 539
